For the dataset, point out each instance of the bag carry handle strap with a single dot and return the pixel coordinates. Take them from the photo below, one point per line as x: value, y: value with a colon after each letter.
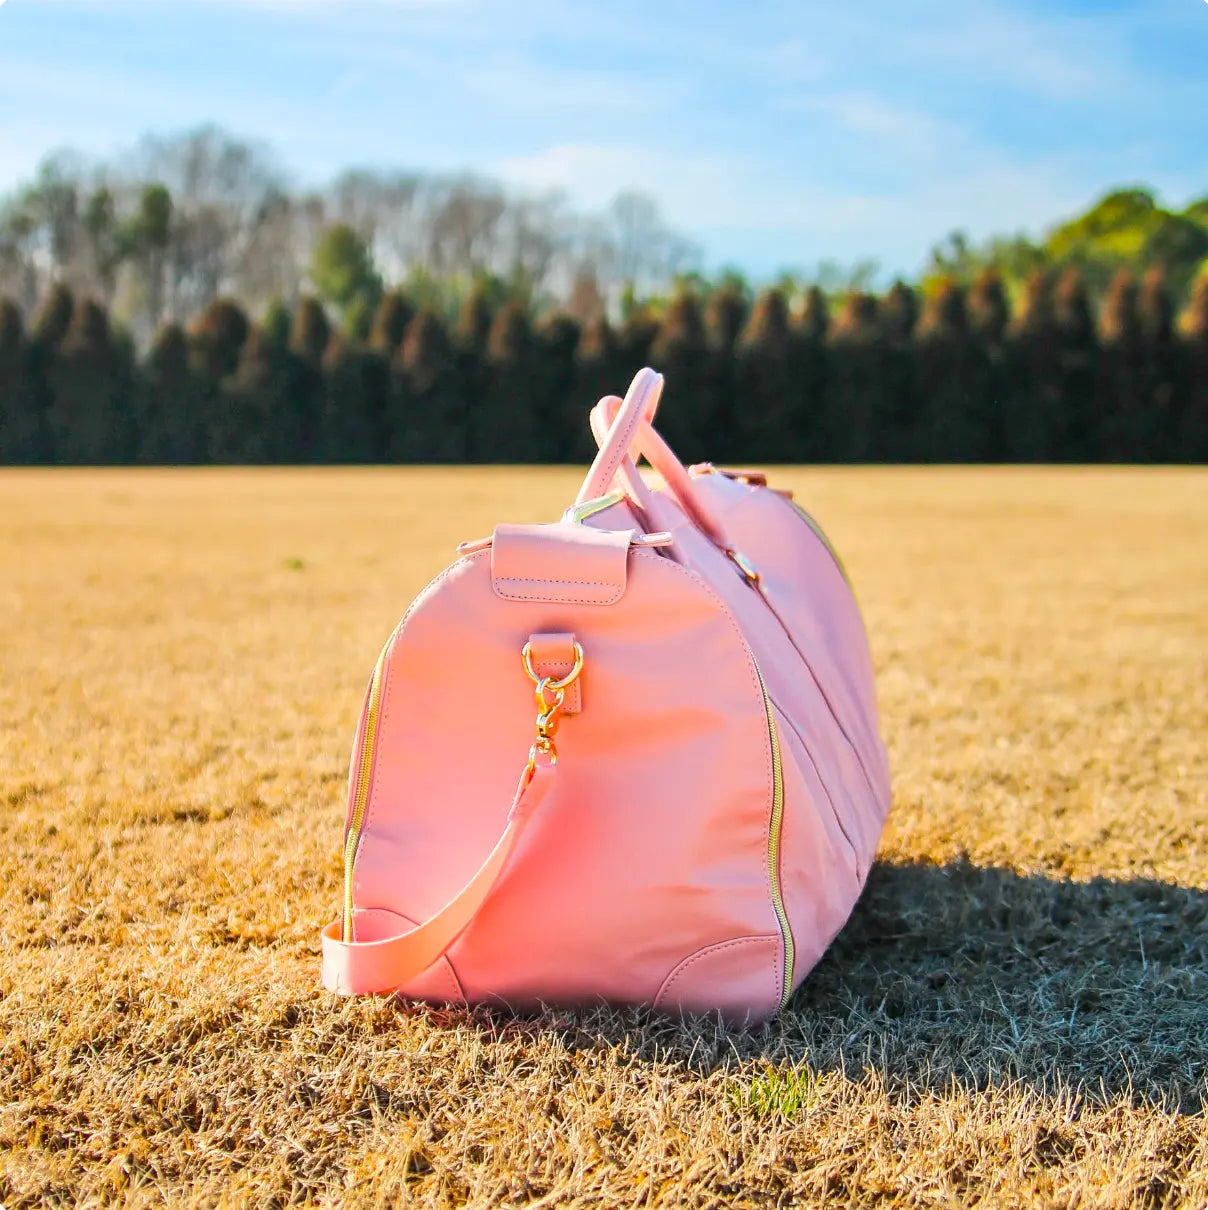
x: 630, y: 482
x: 611, y: 423
x: 384, y: 964
x: 387, y: 963
x: 638, y: 407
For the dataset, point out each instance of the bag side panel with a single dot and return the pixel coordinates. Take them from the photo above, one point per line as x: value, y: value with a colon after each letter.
x: 655, y: 843
x: 809, y: 592
x: 818, y: 866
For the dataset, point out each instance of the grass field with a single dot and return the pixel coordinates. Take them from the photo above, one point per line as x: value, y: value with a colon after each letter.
x: 1016, y: 1015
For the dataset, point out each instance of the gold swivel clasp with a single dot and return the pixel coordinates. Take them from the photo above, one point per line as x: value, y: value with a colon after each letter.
x: 550, y: 694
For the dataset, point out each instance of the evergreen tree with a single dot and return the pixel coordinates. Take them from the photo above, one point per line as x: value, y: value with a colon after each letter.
x: 308, y: 343
x: 1192, y: 433
x: 429, y: 369
x: 635, y: 338
x: 394, y: 313
x: 1129, y: 436
x: 377, y: 387
x: 904, y: 435
x: 1033, y: 390
x: 47, y: 334
x: 470, y: 338
x: 557, y: 343
x: 381, y: 389
x: 989, y: 317
x: 1079, y: 426
x: 766, y: 377
x: 277, y: 323
x: 809, y: 420
x: 171, y: 429
x: 951, y: 378
x: 900, y: 311
x: 54, y: 317
x: 256, y: 419
x: 598, y: 372
x: 91, y: 378
x: 20, y: 436
x: 857, y: 404
x: 725, y: 317
x: 217, y: 337
x: 216, y: 340
x: 349, y: 375
x: 507, y: 423
x: 1162, y: 395
x: 989, y: 312
x: 680, y: 350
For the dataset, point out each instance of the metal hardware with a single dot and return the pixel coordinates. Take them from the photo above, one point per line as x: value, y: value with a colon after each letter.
x: 775, y: 827
x: 578, y: 513
x: 550, y: 695
x: 751, y: 478
x: 748, y: 569
x: 363, y: 764
x: 565, y: 682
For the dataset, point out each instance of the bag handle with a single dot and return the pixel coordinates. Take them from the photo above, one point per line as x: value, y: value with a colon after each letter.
x: 623, y: 427
x: 384, y: 964
x: 639, y: 405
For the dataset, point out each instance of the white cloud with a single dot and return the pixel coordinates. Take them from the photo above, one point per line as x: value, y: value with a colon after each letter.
x: 786, y: 132
x: 1060, y: 58
x: 728, y: 201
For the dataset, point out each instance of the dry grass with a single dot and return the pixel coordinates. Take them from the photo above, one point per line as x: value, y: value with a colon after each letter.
x: 1017, y: 1015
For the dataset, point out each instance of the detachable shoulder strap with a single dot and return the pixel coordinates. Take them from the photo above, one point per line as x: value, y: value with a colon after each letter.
x: 385, y: 964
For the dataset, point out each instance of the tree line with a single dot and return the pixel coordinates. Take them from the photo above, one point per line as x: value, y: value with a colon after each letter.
x: 157, y: 233
x: 953, y: 374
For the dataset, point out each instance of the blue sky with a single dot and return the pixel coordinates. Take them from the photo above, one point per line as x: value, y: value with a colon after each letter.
x: 776, y: 135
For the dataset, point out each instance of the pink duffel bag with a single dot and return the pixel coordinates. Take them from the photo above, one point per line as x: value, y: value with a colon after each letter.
x: 680, y: 679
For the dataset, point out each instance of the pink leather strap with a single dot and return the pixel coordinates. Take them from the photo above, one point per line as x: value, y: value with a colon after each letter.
x: 644, y: 440
x: 627, y: 478
x: 384, y: 964
x: 553, y: 655
x: 637, y: 408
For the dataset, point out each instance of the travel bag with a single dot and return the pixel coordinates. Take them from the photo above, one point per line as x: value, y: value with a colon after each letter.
x: 680, y: 678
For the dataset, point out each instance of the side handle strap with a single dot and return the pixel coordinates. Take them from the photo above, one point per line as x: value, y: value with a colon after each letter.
x: 384, y: 964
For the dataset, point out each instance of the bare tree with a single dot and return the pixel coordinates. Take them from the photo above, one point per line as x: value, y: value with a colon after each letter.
x: 166, y: 229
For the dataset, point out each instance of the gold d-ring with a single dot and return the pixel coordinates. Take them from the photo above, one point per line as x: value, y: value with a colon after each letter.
x: 552, y: 686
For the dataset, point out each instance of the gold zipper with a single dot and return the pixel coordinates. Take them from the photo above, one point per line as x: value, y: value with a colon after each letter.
x: 774, y: 829
x: 360, y: 790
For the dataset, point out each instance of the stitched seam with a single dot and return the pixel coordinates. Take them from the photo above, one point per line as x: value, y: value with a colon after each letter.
x: 568, y: 583
x: 809, y: 667
x: 708, y: 951
x: 560, y: 600
x: 387, y: 690
x: 792, y: 726
x: 622, y: 449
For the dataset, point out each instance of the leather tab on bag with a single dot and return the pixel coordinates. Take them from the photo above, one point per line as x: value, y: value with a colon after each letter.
x: 563, y: 563
x: 553, y: 655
